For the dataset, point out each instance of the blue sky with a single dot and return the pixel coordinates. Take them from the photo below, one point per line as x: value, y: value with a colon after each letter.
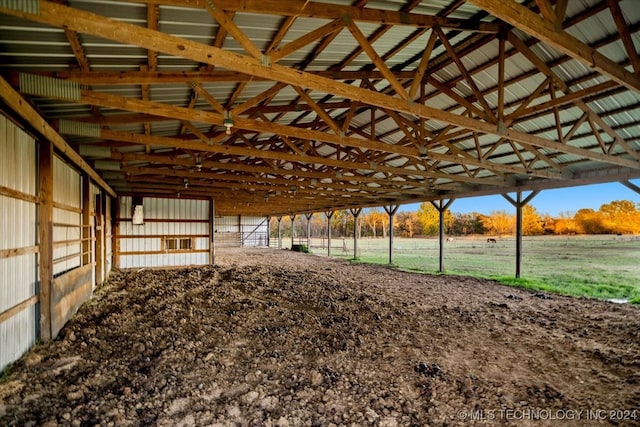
x: 552, y: 202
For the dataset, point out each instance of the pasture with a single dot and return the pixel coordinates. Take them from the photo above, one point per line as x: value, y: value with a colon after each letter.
x: 604, y: 267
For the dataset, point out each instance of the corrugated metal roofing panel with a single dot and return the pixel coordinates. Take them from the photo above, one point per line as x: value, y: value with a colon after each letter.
x: 47, y: 48
x: 131, y: 12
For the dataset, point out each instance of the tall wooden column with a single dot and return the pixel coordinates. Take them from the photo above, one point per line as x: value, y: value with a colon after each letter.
x: 519, y: 203
x: 391, y: 211
x: 115, y: 232
x: 308, y: 216
x: 442, y: 207
x: 45, y: 235
x: 356, y: 213
x: 329, y: 215
x: 100, y: 245
x: 212, y: 232
x: 279, y: 232
x: 86, y: 220
x: 268, y: 231
x: 293, y: 220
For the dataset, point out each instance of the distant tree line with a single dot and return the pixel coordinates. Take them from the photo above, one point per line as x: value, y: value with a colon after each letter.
x: 616, y: 217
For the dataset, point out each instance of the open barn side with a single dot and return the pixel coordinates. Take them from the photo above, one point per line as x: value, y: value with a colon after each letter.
x: 270, y: 337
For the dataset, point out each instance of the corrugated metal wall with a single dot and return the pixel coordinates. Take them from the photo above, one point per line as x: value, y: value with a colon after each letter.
x: 241, y: 231
x: 167, y: 222
x: 227, y: 232
x: 67, y: 217
x: 254, y: 231
x: 18, y: 233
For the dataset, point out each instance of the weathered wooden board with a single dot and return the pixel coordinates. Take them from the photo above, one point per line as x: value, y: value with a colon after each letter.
x: 68, y: 293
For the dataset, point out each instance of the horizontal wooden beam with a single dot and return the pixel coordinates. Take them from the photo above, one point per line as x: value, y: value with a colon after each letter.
x: 9, y: 313
x: 62, y: 16
x: 332, y: 11
x: 181, y: 113
x: 198, y: 146
x: 255, y: 170
x: 93, y: 78
x: 8, y: 253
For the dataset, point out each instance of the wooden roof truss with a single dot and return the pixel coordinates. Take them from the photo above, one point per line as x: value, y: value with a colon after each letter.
x: 479, y: 97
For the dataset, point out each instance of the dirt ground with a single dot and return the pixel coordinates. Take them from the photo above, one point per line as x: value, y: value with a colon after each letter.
x: 275, y: 338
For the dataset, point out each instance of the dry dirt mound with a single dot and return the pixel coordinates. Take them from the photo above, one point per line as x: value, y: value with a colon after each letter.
x: 277, y: 338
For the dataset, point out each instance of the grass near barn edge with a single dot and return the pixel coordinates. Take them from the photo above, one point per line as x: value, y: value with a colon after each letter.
x: 601, y: 267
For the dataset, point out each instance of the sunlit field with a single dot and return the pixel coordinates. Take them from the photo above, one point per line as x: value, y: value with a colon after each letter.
x: 606, y: 267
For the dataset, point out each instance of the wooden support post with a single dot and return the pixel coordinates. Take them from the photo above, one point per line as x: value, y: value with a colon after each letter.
x: 100, y: 246
x: 519, y: 203
x: 268, y: 231
x: 293, y: 220
x: 631, y: 186
x: 45, y: 235
x: 308, y: 216
x: 356, y: 213
x: 86, y: 220
x: 108, y: 234
x: 391, y: 211
x: 115, y: 232
x: 212, y: 232
x: 442, y: 207
x: 240, y: 231
x: 279, y: 232
x: 329, y: 215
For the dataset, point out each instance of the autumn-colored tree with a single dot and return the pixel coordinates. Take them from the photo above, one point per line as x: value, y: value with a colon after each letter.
x: 429, y: 219
x: 621, y: 216
x: 500, y: 222
x: 384, y: 220
x: 318, y: 225
x: 374, y: 219
x: 548, y: 224
x: 565, y: 224
x: 342, y: 223
x: 592, y: 222
x: 531, y: 221
x: 407, y: 224
x: 466, y: 223
x: 285, y: 226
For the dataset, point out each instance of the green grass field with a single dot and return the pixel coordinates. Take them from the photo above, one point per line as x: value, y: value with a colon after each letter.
x: 603, y: 267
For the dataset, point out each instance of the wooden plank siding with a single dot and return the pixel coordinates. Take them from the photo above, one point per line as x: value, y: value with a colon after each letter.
x: 69, y: 291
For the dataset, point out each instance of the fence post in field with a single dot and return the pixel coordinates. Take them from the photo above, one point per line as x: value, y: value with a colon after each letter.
x: 356, y: 214
x: 441, y: 207
x: 519, y: 203
x: 391, y: 211
x: 329, y: 215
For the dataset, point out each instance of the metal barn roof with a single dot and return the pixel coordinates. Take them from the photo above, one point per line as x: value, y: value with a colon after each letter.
x: 331, y: 104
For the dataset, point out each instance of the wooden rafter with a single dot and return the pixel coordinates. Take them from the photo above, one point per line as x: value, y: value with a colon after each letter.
x: 367, y: 127
x: 540, y: 28
x: 320, y: 10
